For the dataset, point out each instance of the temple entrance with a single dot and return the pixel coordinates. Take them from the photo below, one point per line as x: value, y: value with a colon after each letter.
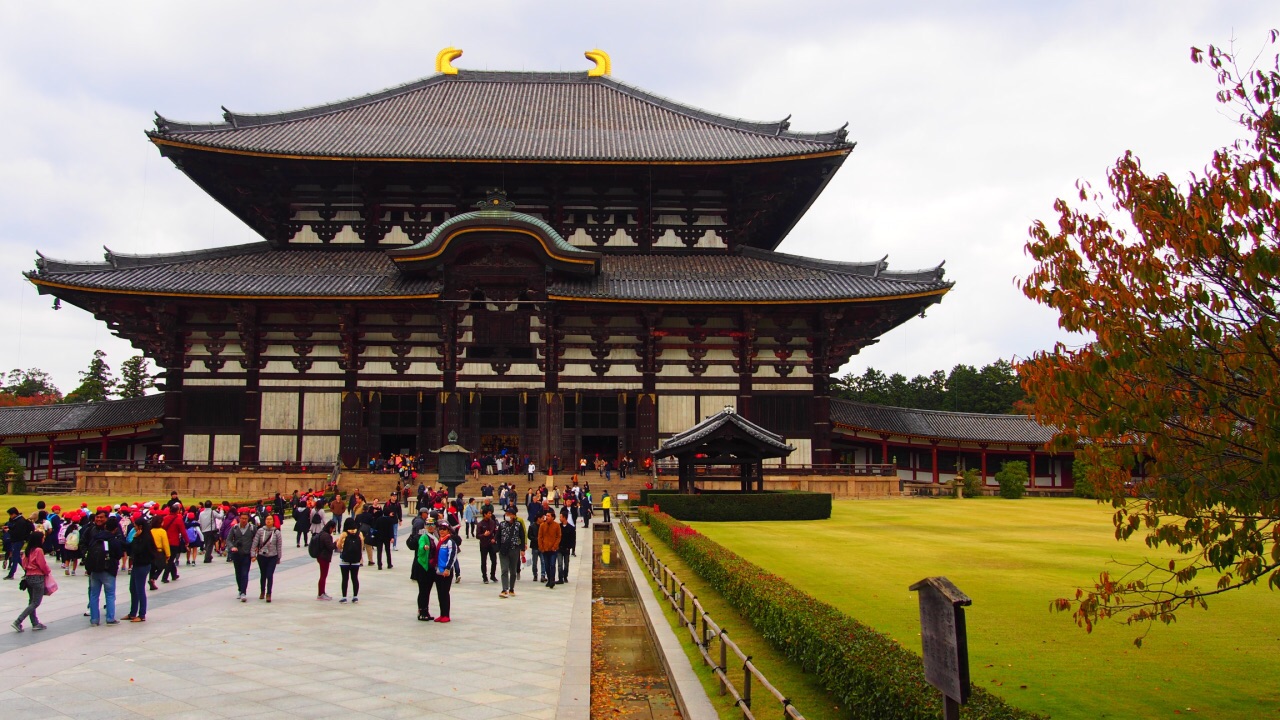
x: 604, y: 446
x: 401, y: 444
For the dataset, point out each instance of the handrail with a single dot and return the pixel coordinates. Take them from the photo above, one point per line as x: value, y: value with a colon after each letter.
x: 291, y: 466
x: 678, y: 596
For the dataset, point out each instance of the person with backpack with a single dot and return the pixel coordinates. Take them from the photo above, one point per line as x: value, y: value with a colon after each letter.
x: 104, y: 546
x: 71, y: 554
x: 175, y: 528
x: 349, y: 558
x: 18, y: 529
x: 195, y: 538
x: 321, y: 548
x: 143, y: 553
x: 316, y: 513
x: 267, y: 548
x: 364, y: 521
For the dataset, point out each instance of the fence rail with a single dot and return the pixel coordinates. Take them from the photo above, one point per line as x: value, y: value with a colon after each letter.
x: 686, y: 604
x: 731, y: 472
x: 264, y: 466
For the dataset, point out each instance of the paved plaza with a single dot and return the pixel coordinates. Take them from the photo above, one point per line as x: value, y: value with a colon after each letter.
x: 202, y: 654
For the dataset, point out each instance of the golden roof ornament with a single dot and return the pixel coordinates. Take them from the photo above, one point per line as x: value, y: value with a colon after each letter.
x: 445, y: 58
x: 604, y: 66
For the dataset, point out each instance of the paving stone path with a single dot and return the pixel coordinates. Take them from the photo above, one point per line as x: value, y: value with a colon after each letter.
x: 202, y: 654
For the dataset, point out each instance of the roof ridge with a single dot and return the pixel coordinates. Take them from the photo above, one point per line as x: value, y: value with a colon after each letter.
x: 953, y: 413
x: 117, y: 261
x: 235, y: 120
x: 878, y: 269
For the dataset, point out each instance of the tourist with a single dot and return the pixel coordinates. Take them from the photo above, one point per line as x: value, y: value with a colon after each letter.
x: 535, y: 551
x: 426, y: 554
x: 70, y: 552
x: 445, y: 566
x: 161, y: 540
x: 606, y: 504
x: 511, y: 547
x: 469, y: 516
x: 36, y: 577
x: 549, y: 545
x: 349, y: 545
x: 301, y: 524
x: 18, y: 529
x: 487, y: 532
x: 240, y: 550
x: 195, y: 538
x: 364, y: 520
x: 102, y: 551
x: 143, y: 553
x: 338, y: 506
x: 568, y: 545
x: 530, y: 470
x: 267, y: 548
x: 316, y: 514
x: 396, y: 510
x: 321, y: 548
x: 210, y: 524
x: 175, y: 528
x: 383, y: 523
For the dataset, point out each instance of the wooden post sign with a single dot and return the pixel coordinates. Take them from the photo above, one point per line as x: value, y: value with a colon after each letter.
x: 944, y: 642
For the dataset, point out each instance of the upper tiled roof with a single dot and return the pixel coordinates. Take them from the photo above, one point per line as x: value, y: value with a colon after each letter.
x: 258, y: 270
x: 968, y: 427
x: 773, y: 444
x: 77, y: 417
x: 478, y: 115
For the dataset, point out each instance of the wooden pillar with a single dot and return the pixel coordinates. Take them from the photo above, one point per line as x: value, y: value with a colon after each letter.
x: 984, y: 465
x: 884, y: 451
x: 171, y: 437
x: 1031, y: 470
x: 103, y: 451
x: 745, y: 365
x: 49, y: 470
x: 935, y: 461
x: 647, y: 402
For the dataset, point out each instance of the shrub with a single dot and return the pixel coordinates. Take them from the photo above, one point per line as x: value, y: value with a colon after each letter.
x: 860, y: 667
x: 737, y: 506
x: 1013, y: 479
x: 972, y: 482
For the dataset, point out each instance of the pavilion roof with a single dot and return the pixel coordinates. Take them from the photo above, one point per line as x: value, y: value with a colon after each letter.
x: 483, y: 115
x: 968, y: 427
x: 63, y: 418
x: 725, y: 425
x: 259, y: 270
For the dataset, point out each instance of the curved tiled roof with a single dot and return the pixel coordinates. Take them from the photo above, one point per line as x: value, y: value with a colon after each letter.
x: 78, y: 417
x: 966, y: 427
x: 257, y: 270
x: 768, y: 441
x: 477, y: 115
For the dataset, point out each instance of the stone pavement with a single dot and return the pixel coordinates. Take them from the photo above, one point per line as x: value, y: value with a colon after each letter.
x: 202, y: 654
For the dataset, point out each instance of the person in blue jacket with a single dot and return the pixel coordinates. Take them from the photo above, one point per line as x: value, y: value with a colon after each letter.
x: 444, y: 571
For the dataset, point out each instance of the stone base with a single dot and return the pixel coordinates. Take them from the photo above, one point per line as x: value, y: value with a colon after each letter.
x: 215, y: 486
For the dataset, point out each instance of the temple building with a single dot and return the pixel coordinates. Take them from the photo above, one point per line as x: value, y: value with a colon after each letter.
x: 555, y: 264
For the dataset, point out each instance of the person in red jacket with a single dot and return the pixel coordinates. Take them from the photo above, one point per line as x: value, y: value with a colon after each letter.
x: 176, y: 530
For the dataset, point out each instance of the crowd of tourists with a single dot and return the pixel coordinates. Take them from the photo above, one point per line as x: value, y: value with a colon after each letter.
x: 151, y: 542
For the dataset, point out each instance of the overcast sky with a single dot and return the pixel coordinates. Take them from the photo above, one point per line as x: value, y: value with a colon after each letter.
x: 970, y: 119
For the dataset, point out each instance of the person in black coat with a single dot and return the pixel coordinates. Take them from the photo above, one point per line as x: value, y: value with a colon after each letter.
x: 383, y: 531
x: 568, y: 544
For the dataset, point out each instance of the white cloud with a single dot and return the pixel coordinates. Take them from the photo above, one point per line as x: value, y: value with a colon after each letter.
x: 970, y: 119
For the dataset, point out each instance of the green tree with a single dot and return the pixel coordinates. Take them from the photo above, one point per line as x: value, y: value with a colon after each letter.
x: 9, y: 461
x: 96, y: 383
x: 32, y: 382
x: 1013, y: 479
x: 1179, y: 295
x: 135, y: 379
x: 994, y: 388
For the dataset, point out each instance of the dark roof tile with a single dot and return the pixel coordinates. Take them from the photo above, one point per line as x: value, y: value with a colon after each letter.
x: 77, y: 417
x: 506, y: 116
x: 967, y: 427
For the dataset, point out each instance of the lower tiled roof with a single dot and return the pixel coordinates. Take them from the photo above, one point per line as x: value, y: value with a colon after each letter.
x: 261, y: 271
x: 691, y: 438
x: 967, y: 427
x: 78, y: 417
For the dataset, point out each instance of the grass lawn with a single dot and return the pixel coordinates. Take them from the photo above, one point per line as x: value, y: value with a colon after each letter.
x: 804, y: 692
x: 1013, y: 557
x: 27, y: 503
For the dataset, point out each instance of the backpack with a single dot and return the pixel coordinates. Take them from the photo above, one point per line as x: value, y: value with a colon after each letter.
x: 71, y: 540
x: 412, y: 542
x: 95, y: 559
x: 193, y: 535
x: 313, y: 547
x: 351, y: 548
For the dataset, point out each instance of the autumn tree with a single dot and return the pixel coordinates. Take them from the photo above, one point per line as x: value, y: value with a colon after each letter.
x: 135, y: 378
x: 29, y: 387
x: 96, y: 383
x: 1177, y: 290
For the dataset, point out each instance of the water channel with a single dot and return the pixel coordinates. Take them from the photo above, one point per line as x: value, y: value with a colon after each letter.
x: 628, y: 679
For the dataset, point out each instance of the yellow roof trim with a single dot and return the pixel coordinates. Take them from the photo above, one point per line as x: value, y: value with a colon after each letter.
x: 878, y: 298
x: 152, y: 293
x: 335, y: 158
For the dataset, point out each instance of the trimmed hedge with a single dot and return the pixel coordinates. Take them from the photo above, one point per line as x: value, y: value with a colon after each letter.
x: 730, y: 505
x: 864, y: 670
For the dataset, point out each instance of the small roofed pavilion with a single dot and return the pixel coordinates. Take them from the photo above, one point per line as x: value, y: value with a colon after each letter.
x: 725, y: 438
